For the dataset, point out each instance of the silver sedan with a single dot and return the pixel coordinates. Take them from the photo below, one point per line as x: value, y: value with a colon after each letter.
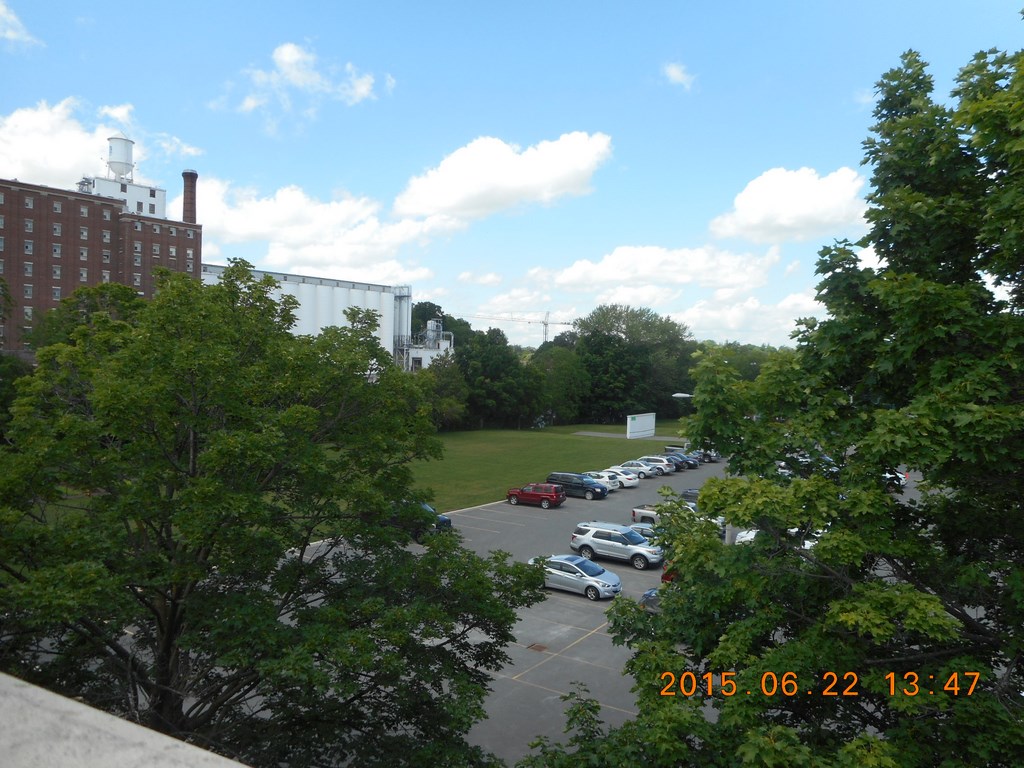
x: 574, y: 573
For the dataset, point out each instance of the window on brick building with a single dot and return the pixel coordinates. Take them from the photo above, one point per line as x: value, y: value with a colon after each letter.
x: 83, y: 275
x: 29, y: 202
x: 106, y: 257
x: 106, y: 235
x: 27, y: 291
x: 83, y: 233
x: 83, y: 254
x: 136, y: 278
x: 28, y: 269
x: 56, y: 230
x: 56, y: 250
x: 106, y: 214
x: 56, y: 272
x: 137, y: 246
x: 137, y: 260
x: 156, y: 249
x: 56, y: 294
x: 56, y: 206
x: 83, y: 211
x: 28, y: 247
x: 105, y: 275
x: 29, y: 225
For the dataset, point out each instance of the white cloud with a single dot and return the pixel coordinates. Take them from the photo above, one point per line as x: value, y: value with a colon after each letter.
x: 48, y: 144
x: 643, y: 295
x: 870, y: 259
x: 490, y: 278
x: 121, y: 113
x: 343, y: 238
x: 521, y: 303
x: 654, y: 269
x: 489, y: 175
x: 782, y: 205
x: 12, y: 31
x: 677, y: 75
x: 172, y: 146
x: 748, y: 320
x: 296, y: 72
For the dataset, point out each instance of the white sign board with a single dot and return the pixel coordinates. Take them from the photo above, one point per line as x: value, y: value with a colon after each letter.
x: 639, y: 425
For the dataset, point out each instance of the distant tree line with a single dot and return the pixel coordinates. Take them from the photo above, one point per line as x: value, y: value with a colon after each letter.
x: 615, y: 361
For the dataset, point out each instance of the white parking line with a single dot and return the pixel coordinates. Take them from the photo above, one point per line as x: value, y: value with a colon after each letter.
x: 629, y: 712
x: 549, y: 655
x: 492, y: 520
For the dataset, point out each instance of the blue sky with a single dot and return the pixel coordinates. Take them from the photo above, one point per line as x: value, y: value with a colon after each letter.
x: 510, y: 161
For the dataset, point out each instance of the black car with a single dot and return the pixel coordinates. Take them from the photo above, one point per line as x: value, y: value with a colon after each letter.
x: 419, y: 519
x: 578, y: 485
x: 682, y: 461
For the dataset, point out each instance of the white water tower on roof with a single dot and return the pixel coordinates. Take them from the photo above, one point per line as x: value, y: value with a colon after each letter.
x: 119, y: 157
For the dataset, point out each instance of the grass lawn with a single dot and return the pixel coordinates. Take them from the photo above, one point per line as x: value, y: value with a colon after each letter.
x: 478, y: 467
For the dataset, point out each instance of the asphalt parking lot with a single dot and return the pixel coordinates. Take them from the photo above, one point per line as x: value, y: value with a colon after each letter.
x: 563, y: 639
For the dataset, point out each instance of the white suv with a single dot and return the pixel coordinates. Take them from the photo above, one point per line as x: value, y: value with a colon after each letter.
x: 594, y: 539
x: 667, y: 465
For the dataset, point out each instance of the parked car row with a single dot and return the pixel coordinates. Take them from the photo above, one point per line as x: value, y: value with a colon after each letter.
x: 597, y: 484
x: 594, y: 539
x: 597, y: 539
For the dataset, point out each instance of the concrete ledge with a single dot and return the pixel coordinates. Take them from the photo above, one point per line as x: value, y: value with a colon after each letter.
x: 41, y: 729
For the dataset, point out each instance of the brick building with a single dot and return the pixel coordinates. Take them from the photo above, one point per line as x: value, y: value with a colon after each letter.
x: 53, y: 241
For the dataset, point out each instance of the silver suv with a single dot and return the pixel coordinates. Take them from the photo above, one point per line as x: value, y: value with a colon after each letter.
x: 621, y: 542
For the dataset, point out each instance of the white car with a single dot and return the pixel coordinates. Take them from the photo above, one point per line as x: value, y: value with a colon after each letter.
x: 660, y: 461
x: 604, y: 478
x: 625, y: 479
x: 639, y: 468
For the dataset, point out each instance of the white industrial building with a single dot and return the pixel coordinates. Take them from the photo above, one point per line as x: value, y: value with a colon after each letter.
x: 323, y: 301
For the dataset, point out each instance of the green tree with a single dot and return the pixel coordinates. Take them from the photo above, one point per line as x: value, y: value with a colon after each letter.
x: 906, y: 607
x: 566, y: 384
x: 448, y: 392
x: 502, y: 391
x: 12, y: 368
x: 204, y: 528
x: 636, y: 360
x: 107, y: 300
x: 618, y: 381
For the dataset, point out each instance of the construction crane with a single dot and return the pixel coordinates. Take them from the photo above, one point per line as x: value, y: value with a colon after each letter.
x: 547, y: 321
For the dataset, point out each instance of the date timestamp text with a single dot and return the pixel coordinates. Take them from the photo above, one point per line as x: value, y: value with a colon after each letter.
x: 846, y: 684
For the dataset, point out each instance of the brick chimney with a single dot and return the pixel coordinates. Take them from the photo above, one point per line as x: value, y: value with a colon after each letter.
x: 188, y: 212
